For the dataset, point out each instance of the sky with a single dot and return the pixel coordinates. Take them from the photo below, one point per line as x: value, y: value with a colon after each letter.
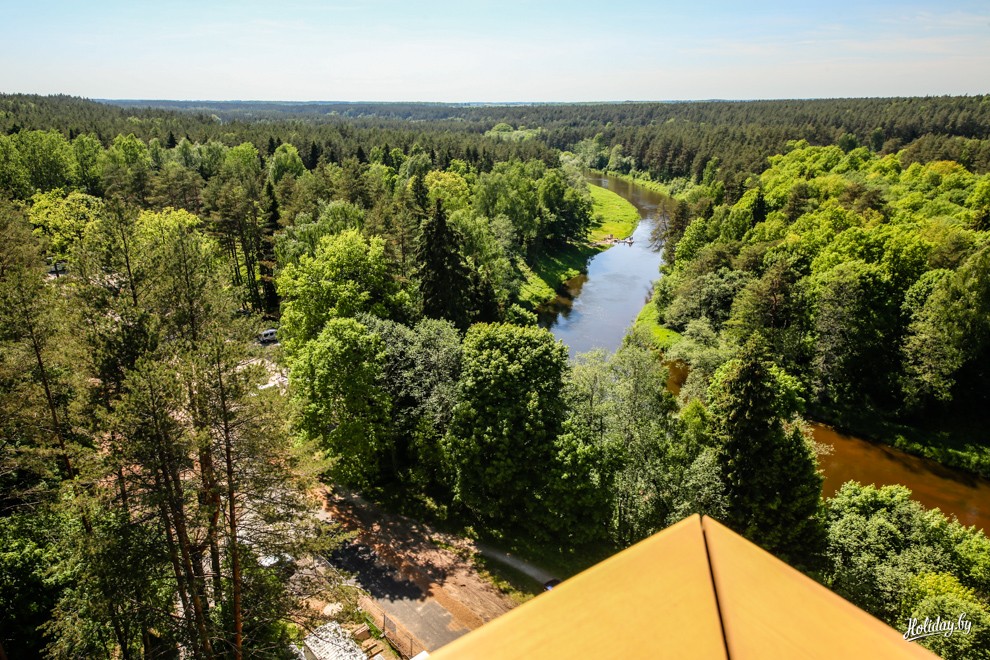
x: 504, y: 51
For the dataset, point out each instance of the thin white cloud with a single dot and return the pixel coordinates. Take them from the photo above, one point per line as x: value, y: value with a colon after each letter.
x: 927, y: 20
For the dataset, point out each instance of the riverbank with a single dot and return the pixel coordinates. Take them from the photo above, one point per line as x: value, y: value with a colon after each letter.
x: 648, y: 320
x: 618, y: 217
x: 948, y: 440
x: 945, y: 465
x: 933, y: 484
x: 954, y: 443
x: 642, y: 180
x: 550, y: 271
x: 544, y: 277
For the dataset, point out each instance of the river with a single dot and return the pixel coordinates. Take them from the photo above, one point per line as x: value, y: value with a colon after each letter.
x: 931, y: 483
x: 596, y: 309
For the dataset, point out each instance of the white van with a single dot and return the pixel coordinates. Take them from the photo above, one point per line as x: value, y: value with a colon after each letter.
x: 268, y: 336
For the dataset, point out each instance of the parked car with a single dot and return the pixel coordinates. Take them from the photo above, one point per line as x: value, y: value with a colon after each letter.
x: 268, y: 336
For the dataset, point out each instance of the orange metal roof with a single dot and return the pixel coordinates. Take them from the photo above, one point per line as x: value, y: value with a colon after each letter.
x: 654, y: 598
x: 771, y: 610
x: 694, y: 590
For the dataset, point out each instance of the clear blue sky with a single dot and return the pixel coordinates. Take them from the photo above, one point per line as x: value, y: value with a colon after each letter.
x: 494, y: 51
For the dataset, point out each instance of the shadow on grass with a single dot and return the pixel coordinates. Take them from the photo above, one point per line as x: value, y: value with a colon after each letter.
x: 561, y: 561
x: 564, y: 263
x: 513, y: 583
x: 553, y: 557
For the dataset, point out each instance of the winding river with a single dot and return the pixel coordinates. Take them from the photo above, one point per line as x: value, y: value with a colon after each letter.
x: 596, y: 309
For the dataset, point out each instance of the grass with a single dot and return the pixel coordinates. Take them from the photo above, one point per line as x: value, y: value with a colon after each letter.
x: 534, y: 290
x: 945, y: 447
x: 619, y: 217
x: 549, y: 271
x: 561, y: 265
x: 540, y: 281
x: 561, y: 562
x: 515, y: 584
x: 663, y: 337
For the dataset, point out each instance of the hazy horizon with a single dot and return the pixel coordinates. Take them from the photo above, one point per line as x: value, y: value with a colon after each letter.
x: 490, y: 103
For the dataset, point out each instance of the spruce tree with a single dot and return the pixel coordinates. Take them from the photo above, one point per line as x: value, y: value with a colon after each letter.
x: 266, y: 252
x: 769, y: 469
x: 420, y: 194
x: 314, y: 155
x: 444, y: 278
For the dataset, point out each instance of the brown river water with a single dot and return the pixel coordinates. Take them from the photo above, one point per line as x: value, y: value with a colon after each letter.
x: 597, y: 308
x: 931, y: 483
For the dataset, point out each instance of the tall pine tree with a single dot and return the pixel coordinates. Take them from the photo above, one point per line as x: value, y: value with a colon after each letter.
x: 769, y: 468
x: 445, y: 281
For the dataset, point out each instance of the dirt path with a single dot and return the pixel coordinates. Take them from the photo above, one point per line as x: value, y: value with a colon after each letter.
x: 437, y: 564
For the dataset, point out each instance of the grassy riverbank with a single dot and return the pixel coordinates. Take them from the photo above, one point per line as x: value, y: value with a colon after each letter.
x: 648, y: 320
x: 955, y: 442
x: 618, y: 217
x: 540, y: 281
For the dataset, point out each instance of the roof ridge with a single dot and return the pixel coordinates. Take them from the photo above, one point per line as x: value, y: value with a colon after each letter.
x: 711, y: 576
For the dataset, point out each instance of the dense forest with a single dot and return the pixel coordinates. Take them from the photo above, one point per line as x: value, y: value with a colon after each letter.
x: 393, y: 246
x: 865, y: 273
x: 664, y: 140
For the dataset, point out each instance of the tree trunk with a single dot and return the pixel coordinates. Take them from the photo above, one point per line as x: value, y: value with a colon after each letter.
x: 52, y: 407
x: 249, y: 251
x: 173, y: 554
x: 175, y: 511
x: 209, y: 499
x: 235, y: 555
x: 127, y: 262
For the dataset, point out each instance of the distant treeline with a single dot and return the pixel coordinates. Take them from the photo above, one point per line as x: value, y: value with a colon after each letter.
x: 327, y: 140
x: 669, y: 140
x: 665, y: 140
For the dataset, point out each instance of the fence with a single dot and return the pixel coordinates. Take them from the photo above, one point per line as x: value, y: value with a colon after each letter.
x: 404, y: 642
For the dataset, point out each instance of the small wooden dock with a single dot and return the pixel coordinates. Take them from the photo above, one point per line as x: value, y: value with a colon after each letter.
x: 612, y: 240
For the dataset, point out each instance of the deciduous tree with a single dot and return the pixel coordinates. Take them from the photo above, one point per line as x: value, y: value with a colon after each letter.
x: 510, y: 412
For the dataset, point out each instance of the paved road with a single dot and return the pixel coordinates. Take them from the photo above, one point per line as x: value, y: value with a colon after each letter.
x: 521, y: 565
x: 401, y: 599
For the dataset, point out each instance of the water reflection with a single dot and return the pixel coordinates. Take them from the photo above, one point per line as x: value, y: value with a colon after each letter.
x: 931, y: 483
x: 595, y: 309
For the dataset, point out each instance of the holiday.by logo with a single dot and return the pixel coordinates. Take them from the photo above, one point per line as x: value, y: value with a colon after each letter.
x: 937, y: 626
